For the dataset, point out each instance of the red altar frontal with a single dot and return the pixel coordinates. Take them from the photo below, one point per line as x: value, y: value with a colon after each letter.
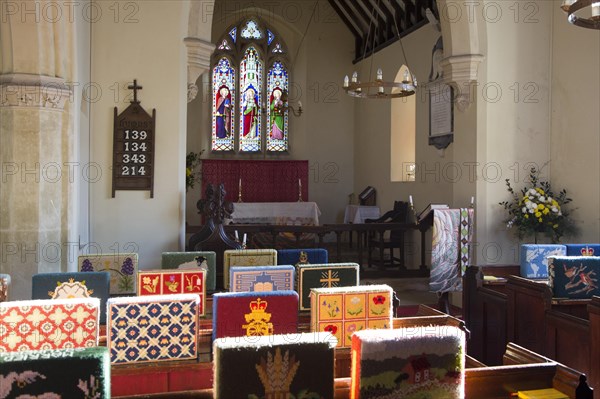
x: 258, y: 180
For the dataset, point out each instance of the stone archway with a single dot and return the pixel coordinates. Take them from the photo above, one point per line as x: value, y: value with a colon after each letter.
x: 462, y: 47
x: 198, y: 44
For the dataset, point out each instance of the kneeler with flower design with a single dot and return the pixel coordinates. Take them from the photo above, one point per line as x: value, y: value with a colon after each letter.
x: 344, y: 310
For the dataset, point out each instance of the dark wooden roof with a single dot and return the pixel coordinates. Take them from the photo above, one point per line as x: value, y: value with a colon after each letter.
x: 376, y: 24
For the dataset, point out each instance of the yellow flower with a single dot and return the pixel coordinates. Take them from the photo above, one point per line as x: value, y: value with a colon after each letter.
x: 539, y: 190
x: 541, y: 207
x: 188, y: 171
x: 555, y: 226
x: 526, y: 216
x: 538, y: 214
x: 546, y: 211
x: 540, y: 220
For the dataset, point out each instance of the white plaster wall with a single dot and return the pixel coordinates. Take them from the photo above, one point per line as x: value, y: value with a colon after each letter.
x: 575, y: 141
x: 372, y: 138
x: 515, y: 98
x: 373, y: 120
x: 148, y: 47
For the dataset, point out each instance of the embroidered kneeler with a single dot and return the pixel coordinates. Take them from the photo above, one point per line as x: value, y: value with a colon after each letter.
x: 275, y: 367
x: 64, y: 373
x: 424, y: 362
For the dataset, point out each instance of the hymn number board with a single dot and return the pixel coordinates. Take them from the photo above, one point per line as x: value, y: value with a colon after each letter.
x: 133, y: 151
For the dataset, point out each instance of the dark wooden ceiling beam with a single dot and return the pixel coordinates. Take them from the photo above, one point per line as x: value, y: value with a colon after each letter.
x: 376, y: 24
x: 400, y: 15
x: 350, y: 23
x: 345, y: 19
x: 379, y: 34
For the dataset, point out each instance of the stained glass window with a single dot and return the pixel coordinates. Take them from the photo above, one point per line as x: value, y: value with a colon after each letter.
x: 277, y: 113
x: 223, y: 104
x: 251, y: 80
x: 251, y: 30
x: 270, y: 37
x: 224, y: 45
x: 277, y: 49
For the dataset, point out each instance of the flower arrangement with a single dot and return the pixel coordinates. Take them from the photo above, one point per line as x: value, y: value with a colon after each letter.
x: 192, y: 161
x: 537, y: 210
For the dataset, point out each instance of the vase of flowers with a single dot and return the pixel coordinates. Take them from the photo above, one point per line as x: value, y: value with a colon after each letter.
x: 537, y: 211
x: 192, y: 161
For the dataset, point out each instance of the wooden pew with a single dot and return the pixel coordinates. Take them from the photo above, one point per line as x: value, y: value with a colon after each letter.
x: 524, y: 370
x: 197, y: 375
x: 509, y: 308
x: 484, y: 311
x: 549, y: 326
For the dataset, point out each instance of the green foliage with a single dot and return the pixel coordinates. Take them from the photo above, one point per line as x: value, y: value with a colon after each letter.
x: 192, y: 161
x: 537, y: 210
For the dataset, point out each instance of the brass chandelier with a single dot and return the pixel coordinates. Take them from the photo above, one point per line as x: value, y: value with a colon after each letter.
x: 355, y: 88
x: 584, y: 13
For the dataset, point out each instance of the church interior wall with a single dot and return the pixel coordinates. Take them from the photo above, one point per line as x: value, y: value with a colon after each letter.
x: 575, y: 121
x: 121, y: 52
x: 372, y: 166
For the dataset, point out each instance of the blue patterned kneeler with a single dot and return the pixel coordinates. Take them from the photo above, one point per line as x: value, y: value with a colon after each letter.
x: 292, y: 256
x: 583, y: 249
x: 152, y: 328
x: 575, y: 277
x: 261, y: 278
x: 73, y: 285
x: 189, y: 260
x: 67, y: 373
x: 534, y: 262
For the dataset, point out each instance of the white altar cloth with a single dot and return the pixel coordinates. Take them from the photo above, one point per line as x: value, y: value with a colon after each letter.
x: 358, y: 213
x: 283, y: 213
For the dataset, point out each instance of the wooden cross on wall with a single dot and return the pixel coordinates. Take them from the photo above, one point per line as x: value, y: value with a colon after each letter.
x: 135, y: 88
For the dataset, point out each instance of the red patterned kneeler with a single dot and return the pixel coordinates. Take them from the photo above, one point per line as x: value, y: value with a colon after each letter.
x: 49, y: 324
x: 169, y: 282
x: 240, y: 314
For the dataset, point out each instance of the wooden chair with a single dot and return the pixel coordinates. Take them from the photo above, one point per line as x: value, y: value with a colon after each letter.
x: 399, y: 214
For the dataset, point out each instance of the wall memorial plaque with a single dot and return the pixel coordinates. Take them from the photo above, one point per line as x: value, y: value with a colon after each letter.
x: 133, y: 147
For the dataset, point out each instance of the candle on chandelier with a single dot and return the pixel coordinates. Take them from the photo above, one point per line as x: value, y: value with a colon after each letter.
x: 300, y: 184
x: 410, y: 201
x: 240, y: 185
x: 472, y: 200
x: 244, y: 242
x: 346, y: 81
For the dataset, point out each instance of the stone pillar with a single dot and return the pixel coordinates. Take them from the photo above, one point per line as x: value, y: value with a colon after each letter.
x: 37, y: 146
x: 199, y: 52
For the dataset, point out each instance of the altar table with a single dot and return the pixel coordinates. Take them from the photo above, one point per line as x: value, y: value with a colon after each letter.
x: 358, y: 213
x: 283, y: 213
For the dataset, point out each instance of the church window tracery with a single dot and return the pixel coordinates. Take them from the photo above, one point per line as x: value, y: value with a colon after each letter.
x: 250, y: 82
